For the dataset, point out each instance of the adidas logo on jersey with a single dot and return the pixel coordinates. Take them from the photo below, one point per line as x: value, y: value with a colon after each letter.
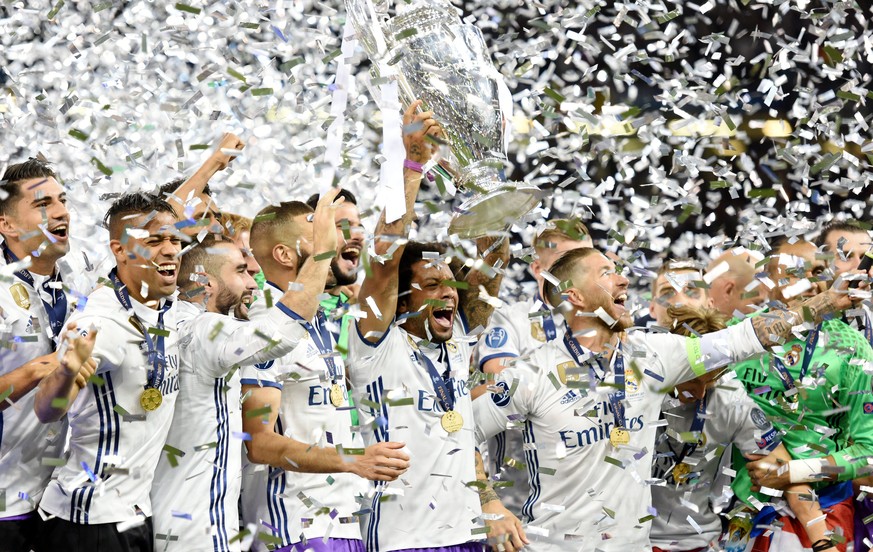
x: 570, y: 397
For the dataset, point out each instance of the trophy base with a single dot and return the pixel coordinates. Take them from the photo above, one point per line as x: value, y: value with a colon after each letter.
x: 483, y: 214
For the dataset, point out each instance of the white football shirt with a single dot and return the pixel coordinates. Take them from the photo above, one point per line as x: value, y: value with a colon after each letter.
x: 195, y: 494
x: 585, y: 493
x: 114, y: 443
x: 515, y: 331
x: 731, y: 419
x: 25, y: 334
x: 291, y: 505
x: 429, y: 505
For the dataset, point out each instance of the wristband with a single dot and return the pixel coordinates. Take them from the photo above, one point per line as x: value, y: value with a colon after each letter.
x: 805, y: 471
x: 412, y: 165
x: 821, y: 545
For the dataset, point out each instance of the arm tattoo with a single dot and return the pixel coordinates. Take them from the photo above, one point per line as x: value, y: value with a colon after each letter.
x: 487, y: 495
x: 774, y: 327
x: 493, y: 250
x: 486, y: 492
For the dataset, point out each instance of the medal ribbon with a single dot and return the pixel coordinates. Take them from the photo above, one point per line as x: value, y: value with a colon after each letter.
x: 786, y: 377
x: 616, y: 397
x: 444, y: 394
x: 696, y: 427
x: 57, y: 310
x: 155, y: 347
x: 548, y: 321
x: 321, y: 336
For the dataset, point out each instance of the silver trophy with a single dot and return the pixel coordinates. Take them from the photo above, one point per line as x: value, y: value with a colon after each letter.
x: 442, y: 61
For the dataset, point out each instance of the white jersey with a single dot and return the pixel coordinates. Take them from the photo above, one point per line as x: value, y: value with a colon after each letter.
x: 25, y: 334
x: 587, y: 494
x: 429, y: 505
x: 515, y: 331
x: 731, y: 419
x: 114, y: 443
x: 195, y: 495
x: 304, y: 506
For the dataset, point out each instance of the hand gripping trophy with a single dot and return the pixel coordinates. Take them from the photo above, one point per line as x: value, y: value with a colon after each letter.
x: 442, y: 61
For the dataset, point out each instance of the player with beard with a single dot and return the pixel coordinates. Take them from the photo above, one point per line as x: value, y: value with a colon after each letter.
x: 119, y: 422
x: 197, y: 486
x: 589, y: 410
x: 344, y: 267
x: 515, y: 331
x: 675, y: 286
x: 409, y: 364
x: 800, y: 388
x: 34, y: 226
x: 296, y: 409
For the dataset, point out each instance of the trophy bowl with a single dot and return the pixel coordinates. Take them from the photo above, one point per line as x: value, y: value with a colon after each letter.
x: 443, y: 62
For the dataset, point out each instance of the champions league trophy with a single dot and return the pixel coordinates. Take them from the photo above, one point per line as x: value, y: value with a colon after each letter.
x: 442, y: 61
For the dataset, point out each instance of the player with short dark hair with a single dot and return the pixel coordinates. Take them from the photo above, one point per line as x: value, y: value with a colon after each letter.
x: 118, y: 423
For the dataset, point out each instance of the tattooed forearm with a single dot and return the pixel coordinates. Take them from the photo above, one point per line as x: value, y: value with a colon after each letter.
x: 487, y: 493
x: 774, y: 327
x: 494, y: 252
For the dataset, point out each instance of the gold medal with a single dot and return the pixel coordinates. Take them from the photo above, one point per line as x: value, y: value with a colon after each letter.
x: 452, y: 421
x: 337, y: 397
x: 20, y: 295
x: 680, y: 472
x: 619, y: 436
x: 151, y: 399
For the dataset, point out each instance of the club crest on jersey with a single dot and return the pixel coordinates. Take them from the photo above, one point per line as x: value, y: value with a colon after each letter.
x: 450, y: 345
x: 496, y: 338
x: 537, y: 332
x: 792, y: 357
x: 20, y: 295
x: 501, y: 399
x: 868, y: 408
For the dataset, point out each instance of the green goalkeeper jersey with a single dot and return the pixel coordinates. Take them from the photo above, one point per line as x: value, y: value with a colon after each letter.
x: 832, y: 412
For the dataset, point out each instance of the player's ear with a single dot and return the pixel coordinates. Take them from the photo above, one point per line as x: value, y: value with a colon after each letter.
x: 403, y: 304
x: 284, y: 255
x: 118, y: 252
x: 574, y: 297
x: 7, y: 228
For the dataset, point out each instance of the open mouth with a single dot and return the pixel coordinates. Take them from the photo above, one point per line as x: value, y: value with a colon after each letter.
x: 59, y: 231
x: 351, y: 254
x: 168, y: 271
x: 443, y: 317
x: 620, y: 300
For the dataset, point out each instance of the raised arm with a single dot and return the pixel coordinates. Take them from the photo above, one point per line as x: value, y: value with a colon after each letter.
x: 380, y: 287
x: 491, y: 251
x: 57, y: 390
x: 302, y: 296
x: 218, y: 161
